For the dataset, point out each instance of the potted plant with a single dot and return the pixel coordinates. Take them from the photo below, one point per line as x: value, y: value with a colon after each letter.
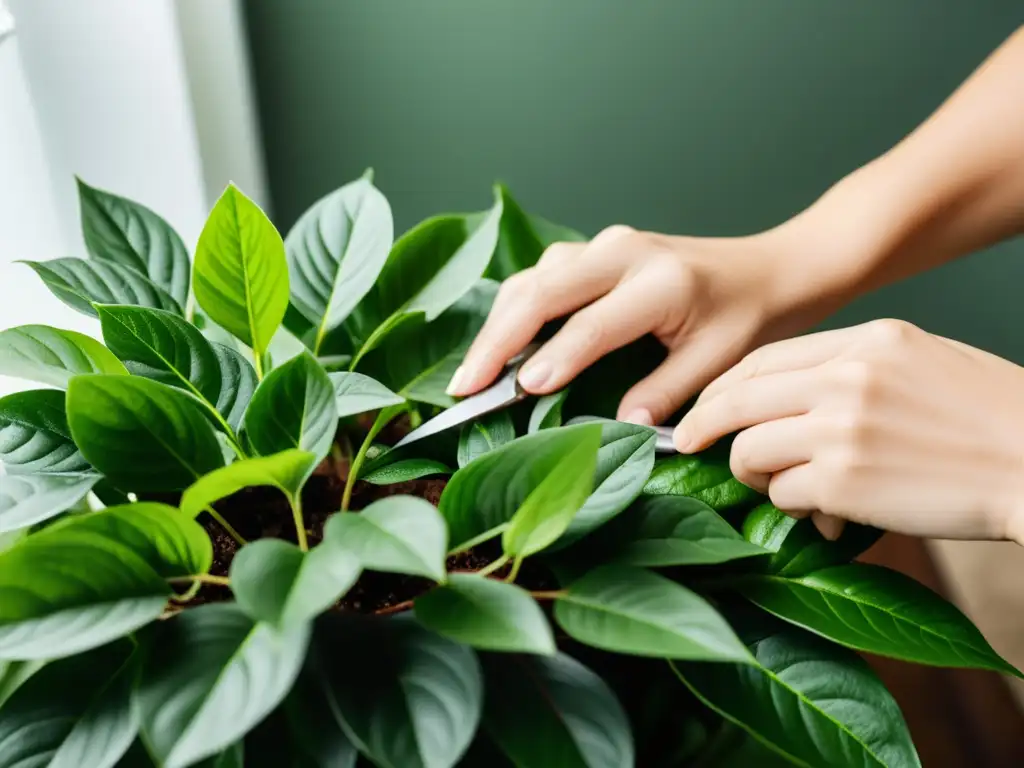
x: 210, y: 554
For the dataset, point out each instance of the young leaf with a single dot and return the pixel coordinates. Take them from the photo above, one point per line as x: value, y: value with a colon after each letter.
x: 122, y: 231
x: 678, y: 530
x: 287, y: 471
x: 547, y: 412
x: 397, y: 534
x: 163, y: 346
x: 546, y: 513
x: 29, y: 499
x: 52, y: 356
x: 336, y: 250
x: 873, y: 609
x: 141, y: 434
x: 796, y: 545
x: 518, y: 246
x: 210, y: 675
x: 486, y: 614
x: 405, y: 696
x: 809, y: 700
x: 92, y: 578
x: 483, y: 435
x: 702, y: 477
x: 241, y: 274
x: 355, y: 393
x: 554, y: 713
x: 80, y: 284
x: 293, y: 408
x: 276, y: 582
x: 629, y: 610
x: 404, y: 471
x: 74, y: 712
x: 34, y: 434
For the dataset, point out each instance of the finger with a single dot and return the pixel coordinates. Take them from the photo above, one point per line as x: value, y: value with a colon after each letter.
x: 829, y: 526
x: 747, y: 403
x: 793, y: 490
x: 559, y: 253
x: 764, y: 449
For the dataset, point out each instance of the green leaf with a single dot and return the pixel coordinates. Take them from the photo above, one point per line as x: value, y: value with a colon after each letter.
x: 405, y: 696
x: 34, y: 434
x: 701, y: 477
x: 487, y: 614
x: 809, y: 700
x: 633, y: 611
x: 162, y: 346
x: 677, y: 530
x: 554, y: 713
x: 317, y: 734
x: 14, y: 674
x: 355, y: 393
x: 871, y: 608
x: 518, y: 246
x: 287, y: 471
x: 336, y: 250
x: 549, y: 233
x: 483, y: 435
x: 91, y: 578
x: 29, y: 499
x: 549, y: 508
x: 80, y: 284
x: 547, y: 412
x: 796, y: 545
x: 397, y: 534
x: 210, y: 675
x: 122, y: 231
x: 294, y: 407
x: 74, y: 712
x: 276, y: 582
x: 241, y: 275
x: 141, y: 434
x: 52, y: 356
x: 404, y: 471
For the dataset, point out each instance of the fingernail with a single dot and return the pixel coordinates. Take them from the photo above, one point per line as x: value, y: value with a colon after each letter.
x: 681, y: 438
x: 640, y: 416
x: 535, y: 374
x: 457, y: 380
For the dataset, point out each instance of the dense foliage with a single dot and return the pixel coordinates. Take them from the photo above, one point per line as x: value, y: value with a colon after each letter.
x: 210, y: 556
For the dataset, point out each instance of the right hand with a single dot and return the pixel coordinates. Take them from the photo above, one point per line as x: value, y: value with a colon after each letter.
x: 708, y: 300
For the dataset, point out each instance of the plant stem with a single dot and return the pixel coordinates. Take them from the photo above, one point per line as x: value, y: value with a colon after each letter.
x: 385, y: 416
x: 257, y: 358
x: 396, y: 608
x: 552, y: 594
x: 300, y: 525
x: 497, y: 565
x: 203, y: 578
x: 478, y: 540
x: 415, y: 417
x: 226, y: 526
x: 514, y: 573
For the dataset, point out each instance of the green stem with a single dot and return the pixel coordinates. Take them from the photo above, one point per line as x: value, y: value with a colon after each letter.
x: 514, y: 573
x: 300, y: 525
x: 203, y: 578
x: 552, y: 594
x: 257, y: 358
x: 415, y: 417
x: 226, y: 526
x: 478, y: 540
x: 497, y: 565
x: 385, y: 416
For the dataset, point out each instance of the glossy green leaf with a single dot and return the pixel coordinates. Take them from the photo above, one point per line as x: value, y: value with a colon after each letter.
x: 404, y: 471
x: 397, y: 534
x: 549, y: 233
x: 237, y: 384
x: 518, y: 246
x: 705, y: 478
x: 34, y: 434
x: 483, y: 435
x: 74, y: 712
x: 356, y: 393
x: 628, y: 610
x: 815, y: 703
x: 554, y: 713
x: 678, y: 530
x: 209, y: 676
x: 130, y: 234
x: 405, y: 696
x: 141, y: 434
x: 796, y: 545
x: 294, y: 407
x: 276, y: 582
x: 549, y: 508
x: 91, y: 578
x: 80, y: 284
x: 486, y: 614
x: 52, y: 356
x: 336, y: 250
x: 547, y: 412
x: 29, y: 499
x: 317, y: 734
x: 874, y: 609
x: 241, y: 274
x: 14, y: 674
x: 287, y: 471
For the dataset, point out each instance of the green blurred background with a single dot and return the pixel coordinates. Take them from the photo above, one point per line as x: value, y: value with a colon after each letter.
x: 709, y: 117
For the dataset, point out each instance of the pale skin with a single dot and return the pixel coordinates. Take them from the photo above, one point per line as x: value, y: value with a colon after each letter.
x: 881, y: 423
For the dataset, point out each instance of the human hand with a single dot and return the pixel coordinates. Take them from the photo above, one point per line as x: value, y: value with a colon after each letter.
x: 709, y: 301
x: 882, y: 424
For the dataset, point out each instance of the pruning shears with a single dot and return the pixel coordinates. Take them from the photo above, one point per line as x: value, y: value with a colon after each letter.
x: 505, y: 391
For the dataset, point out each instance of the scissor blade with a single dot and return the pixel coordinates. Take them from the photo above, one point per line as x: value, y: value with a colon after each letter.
x: 502, y: 393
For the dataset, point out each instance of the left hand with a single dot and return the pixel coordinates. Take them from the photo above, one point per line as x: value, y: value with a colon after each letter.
x: 882, y: 424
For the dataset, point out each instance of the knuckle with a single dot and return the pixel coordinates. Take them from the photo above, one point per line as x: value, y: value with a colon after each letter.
x: 889, y: 332
x: 858, y: 377
x: 522, y: 287
x: 555, y: 253
x: 612, y: 234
